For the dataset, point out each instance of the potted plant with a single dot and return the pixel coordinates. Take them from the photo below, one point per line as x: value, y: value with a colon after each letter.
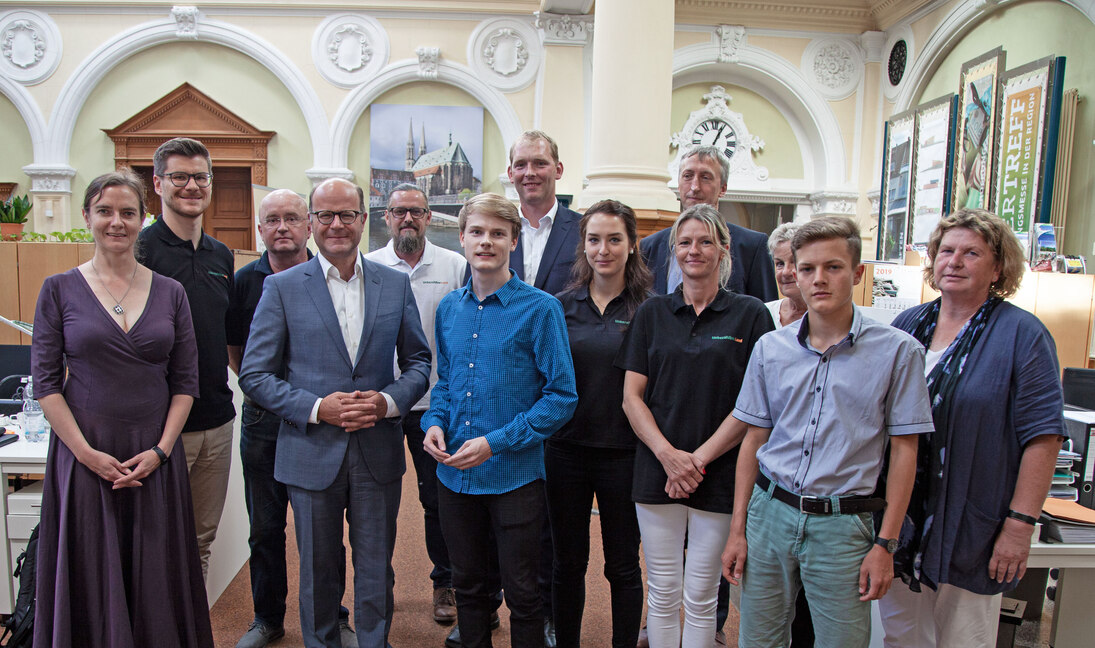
x: 13, y: 216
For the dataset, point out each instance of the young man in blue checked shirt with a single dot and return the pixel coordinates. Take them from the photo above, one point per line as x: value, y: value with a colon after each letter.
x: 505, y: 383
x: 823, y: 398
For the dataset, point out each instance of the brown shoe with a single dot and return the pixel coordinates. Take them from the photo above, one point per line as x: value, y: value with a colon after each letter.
x: 444, y: 605
x: 720, y: 639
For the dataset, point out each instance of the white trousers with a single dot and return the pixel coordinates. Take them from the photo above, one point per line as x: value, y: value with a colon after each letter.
x: 673, y: 578
x: 948, y: 617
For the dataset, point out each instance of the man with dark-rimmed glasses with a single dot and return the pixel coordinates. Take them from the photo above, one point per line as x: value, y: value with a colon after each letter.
x: 434, y: 272
x: 175, y: 246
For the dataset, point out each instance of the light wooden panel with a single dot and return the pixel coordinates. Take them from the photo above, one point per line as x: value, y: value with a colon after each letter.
x: 36, y: 262
x: 9, y: 291
x: 1064, y: 305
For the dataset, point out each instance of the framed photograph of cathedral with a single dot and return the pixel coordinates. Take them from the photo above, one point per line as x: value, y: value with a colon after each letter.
x: 978, y: 97
x: 437, y: 148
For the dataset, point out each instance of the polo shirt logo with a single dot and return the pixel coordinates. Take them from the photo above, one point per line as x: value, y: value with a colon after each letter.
x: 727, y: 337
x: 624, y: 322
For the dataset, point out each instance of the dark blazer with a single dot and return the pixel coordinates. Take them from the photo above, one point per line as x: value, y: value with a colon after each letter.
x: 562, y: 244
x: 751, y: 269
x: 295, y: 327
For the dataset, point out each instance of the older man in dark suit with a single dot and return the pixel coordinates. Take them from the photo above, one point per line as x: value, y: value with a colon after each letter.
x: 333, y: 323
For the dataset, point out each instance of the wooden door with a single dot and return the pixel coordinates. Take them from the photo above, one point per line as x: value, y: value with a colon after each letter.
x: 229, y: 217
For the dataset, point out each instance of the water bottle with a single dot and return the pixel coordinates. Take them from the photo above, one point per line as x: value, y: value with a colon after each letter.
x: 34, y: 421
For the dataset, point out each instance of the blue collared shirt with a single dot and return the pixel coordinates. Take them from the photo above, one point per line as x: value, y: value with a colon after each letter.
x: 830, y: 411
x: 504, y: 372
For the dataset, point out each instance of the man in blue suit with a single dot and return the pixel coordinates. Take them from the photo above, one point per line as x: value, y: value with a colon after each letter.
x: 329, y: 326
x: 702, y: 179
x: 549, y: 231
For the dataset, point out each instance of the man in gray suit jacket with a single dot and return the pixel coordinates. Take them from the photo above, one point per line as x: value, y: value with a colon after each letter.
x: 319, y: 356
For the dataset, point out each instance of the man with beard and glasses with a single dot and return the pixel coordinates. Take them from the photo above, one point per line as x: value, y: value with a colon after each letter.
x: 434, y: 272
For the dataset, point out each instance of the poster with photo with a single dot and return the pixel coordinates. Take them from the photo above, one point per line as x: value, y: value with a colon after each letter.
x: 930, y: 184
x: 975, y: 133
x: 893, y: 219
x: 1024, y: 108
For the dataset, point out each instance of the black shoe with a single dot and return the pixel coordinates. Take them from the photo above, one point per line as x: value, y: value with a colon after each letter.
x: 549, y: 633
x: 259, y: 635
x: 453, y: 640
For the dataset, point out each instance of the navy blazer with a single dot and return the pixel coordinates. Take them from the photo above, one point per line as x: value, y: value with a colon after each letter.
x: 751, y: 269
x: 295, y: 327
x: 554, y: 273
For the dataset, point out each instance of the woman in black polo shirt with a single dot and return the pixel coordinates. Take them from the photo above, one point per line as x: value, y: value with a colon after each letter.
x: 594, y: 454
x: 685, y: 356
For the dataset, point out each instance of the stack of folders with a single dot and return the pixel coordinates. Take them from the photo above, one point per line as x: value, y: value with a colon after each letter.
x: 1067, y: 522
x: 1064, y: 477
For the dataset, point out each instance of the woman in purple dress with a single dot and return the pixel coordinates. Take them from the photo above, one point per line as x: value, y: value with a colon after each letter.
x: 118, y: 563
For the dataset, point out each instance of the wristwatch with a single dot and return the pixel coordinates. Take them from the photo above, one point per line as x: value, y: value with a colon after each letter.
x: 889, y: 545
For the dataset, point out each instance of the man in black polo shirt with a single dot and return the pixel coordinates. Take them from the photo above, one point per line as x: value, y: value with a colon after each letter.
x: 176, y: 247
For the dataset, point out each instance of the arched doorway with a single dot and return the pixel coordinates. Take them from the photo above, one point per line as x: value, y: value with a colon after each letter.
x: 238, y: 150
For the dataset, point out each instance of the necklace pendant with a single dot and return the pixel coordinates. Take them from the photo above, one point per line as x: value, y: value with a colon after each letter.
x: 118, y: 309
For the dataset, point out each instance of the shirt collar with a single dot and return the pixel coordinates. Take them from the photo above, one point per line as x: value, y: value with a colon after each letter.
x: 327, y: 265
x: 264, y: 266
x: 389, y: 258
x: 549, y: 216
x: 719, y: 304
x: 169, y: 237
x: 503, y: 294
x: 853, y: 332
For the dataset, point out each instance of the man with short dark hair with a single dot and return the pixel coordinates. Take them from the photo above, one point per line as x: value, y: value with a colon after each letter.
x: 319, y: 356
x: 434, y: 272
x: 176, y: 246
x: 284, y: 229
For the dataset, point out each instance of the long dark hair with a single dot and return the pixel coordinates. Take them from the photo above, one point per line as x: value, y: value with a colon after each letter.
x: 637, y: 277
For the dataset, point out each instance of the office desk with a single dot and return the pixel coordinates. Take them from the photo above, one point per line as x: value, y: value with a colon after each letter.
x: 1073, y: 620
x: 16, y: 458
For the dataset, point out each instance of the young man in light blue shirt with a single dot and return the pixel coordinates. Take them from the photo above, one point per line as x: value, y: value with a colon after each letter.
x: 822, y: 398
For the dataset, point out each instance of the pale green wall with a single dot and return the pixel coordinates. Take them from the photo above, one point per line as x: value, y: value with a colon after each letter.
x: 18, y: 149
x: 1029, y: 31
x: 431, y: 94
x: 234, y: 80
x: 782, y: 154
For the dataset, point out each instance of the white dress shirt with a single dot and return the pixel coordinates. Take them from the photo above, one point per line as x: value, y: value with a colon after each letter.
x: 534, y: 240
x: 438, y: 273
x: 348, y: 297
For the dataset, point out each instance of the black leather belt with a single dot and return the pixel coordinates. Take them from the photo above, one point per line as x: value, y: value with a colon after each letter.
x: 849, y: 504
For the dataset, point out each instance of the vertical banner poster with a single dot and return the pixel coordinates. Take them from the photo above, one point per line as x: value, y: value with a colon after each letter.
x: 897, y: 161
x: 975, y: 135
x: 1024, y: 109
x: 934, y: 127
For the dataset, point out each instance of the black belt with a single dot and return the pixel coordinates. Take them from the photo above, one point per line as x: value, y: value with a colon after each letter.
x: 849, y: 504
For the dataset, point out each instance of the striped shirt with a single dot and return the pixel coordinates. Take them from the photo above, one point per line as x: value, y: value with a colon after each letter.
x: 504, y: 372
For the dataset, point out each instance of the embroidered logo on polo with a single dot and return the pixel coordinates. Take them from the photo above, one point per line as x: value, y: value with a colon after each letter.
x: 624, y: 322
x: 727, y: 337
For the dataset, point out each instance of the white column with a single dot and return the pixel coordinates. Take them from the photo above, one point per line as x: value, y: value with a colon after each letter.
x: 632, y: 86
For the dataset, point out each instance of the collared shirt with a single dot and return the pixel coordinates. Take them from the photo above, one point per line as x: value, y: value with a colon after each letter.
x: 504, y: 373
x: 348, y: 297
x: 694, y: 366
x: 206, y: 274
x: 437, y: 273
x: 534, y: 240
x: 830, y: 411
x: 245, y: 298
x: 595, y: 340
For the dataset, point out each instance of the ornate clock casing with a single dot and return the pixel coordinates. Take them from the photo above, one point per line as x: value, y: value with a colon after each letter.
x: 716, y: 125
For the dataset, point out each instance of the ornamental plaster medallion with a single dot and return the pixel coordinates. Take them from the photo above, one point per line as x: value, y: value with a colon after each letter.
x: 30, y: 46
x: 349, y: 49
x: 428, y: 58
x: 505, y: 52
x: 565, y: 29
x: 833, y: 66
x: 731, y: 39
x: 186, y: 21
x: 716, y: 125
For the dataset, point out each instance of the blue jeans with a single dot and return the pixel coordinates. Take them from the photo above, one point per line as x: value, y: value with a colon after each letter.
x: 267, y: 505
x: 821, y: 553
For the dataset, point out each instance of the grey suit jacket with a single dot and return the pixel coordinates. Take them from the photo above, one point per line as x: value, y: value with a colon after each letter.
x: 295, y: 328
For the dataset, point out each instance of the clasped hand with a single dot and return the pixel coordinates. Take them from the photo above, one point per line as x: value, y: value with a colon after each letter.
x: 353, y: 410
x: 471, y: 454
x: 123, y: 474
x: 684, y: 472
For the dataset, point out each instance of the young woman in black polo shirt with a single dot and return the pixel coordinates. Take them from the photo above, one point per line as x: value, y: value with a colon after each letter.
x: 594, y: 454
x: 685, y: 356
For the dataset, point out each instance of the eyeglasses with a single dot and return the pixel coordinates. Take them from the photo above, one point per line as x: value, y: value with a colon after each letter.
x: 290, y: 221
x: 417, y: 213
x: 180, y: 179
x: 327, y: 217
